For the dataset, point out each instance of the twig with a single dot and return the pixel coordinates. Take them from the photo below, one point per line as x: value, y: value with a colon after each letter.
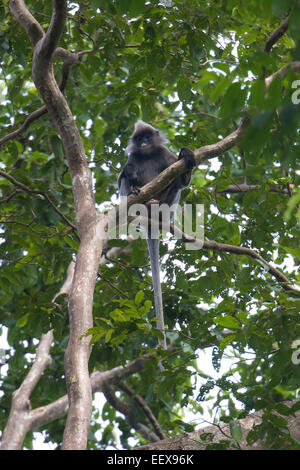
x: 41, y: 193
x: 69, y: 59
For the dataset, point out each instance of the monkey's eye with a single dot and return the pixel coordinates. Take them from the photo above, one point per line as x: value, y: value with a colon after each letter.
x: 146, y: 138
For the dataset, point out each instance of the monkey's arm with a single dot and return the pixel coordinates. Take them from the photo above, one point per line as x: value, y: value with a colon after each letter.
x: 128, y: 180
x: 189, y: 158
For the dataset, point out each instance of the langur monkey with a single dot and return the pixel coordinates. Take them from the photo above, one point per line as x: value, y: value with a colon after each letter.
x: 147, y: 157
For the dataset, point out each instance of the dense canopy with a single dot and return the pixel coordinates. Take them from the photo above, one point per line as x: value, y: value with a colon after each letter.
x: 200, y: 72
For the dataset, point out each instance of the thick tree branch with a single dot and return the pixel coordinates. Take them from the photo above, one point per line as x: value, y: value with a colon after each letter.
x: 18, y: 423
x: 22, y: 418
x: 212, y: 434
x: 55, y: 410
x: 33, y: 29
x: 55, y: 30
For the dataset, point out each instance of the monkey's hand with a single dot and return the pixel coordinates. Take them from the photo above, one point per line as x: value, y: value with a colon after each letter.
x: 134, y: 190
x: 188, y: 156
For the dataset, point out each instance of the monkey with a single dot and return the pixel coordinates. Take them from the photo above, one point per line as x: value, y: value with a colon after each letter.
x: 147, y: 157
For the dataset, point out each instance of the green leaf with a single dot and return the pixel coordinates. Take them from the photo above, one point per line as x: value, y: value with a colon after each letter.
x: 108, y: 335
x: 227, y: 322
x: 233, y: 101
x: 123, y: 6
x: 57, y: 147
x: 294, y: 22
x: 139, y: 297
x: 23, y: 320
x: 226, y: 341
x: 137, y: 7
x: 184, y: 90
x: 257, y: 93
x: 236, y: 430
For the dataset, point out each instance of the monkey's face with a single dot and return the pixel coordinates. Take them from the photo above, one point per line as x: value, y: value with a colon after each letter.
x: 144, y: 142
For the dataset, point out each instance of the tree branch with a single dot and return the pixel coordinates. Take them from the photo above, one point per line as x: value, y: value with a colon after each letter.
x: 243, y: 188
x: 22, y: 418
x: 18, y: 423
x: 277, y: 34
x: 46, y: 414
x: 212, y: 434
x: 293, y: 66
x: 55, y: 30
x: 144, y: 407
x: 225, y: 247
x: 33, y: 29
x: 129, y: 413
x: 239, y: 250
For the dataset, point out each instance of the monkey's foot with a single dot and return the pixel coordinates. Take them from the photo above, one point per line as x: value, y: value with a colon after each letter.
x: 134, y: 190
x: 152, y: 201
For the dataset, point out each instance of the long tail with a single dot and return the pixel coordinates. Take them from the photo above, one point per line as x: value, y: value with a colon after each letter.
x: 153, y: 246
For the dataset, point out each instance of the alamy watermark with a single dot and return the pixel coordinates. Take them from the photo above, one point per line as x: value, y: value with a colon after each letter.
x: 296, y: 94
x: 296, y: 353
x: 150, y: 220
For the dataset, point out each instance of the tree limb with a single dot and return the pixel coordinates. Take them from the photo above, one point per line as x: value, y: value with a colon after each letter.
x: 212, y: 434
x: 55, y: 410
x: 243, y: 188
x: 33, y: 29
x: 128, y: 412
x: 18, y: 423
x: 293, y: 66
x: 22, y: 419
x: 240, y: 250
x: 144, y: 407
x: 225, y: 247
x: 277, y: 34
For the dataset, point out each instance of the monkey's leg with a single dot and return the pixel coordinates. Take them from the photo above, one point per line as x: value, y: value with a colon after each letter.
x: 153, y: 246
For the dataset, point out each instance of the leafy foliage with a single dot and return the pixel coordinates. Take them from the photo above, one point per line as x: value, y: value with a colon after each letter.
x: 191, y: 68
